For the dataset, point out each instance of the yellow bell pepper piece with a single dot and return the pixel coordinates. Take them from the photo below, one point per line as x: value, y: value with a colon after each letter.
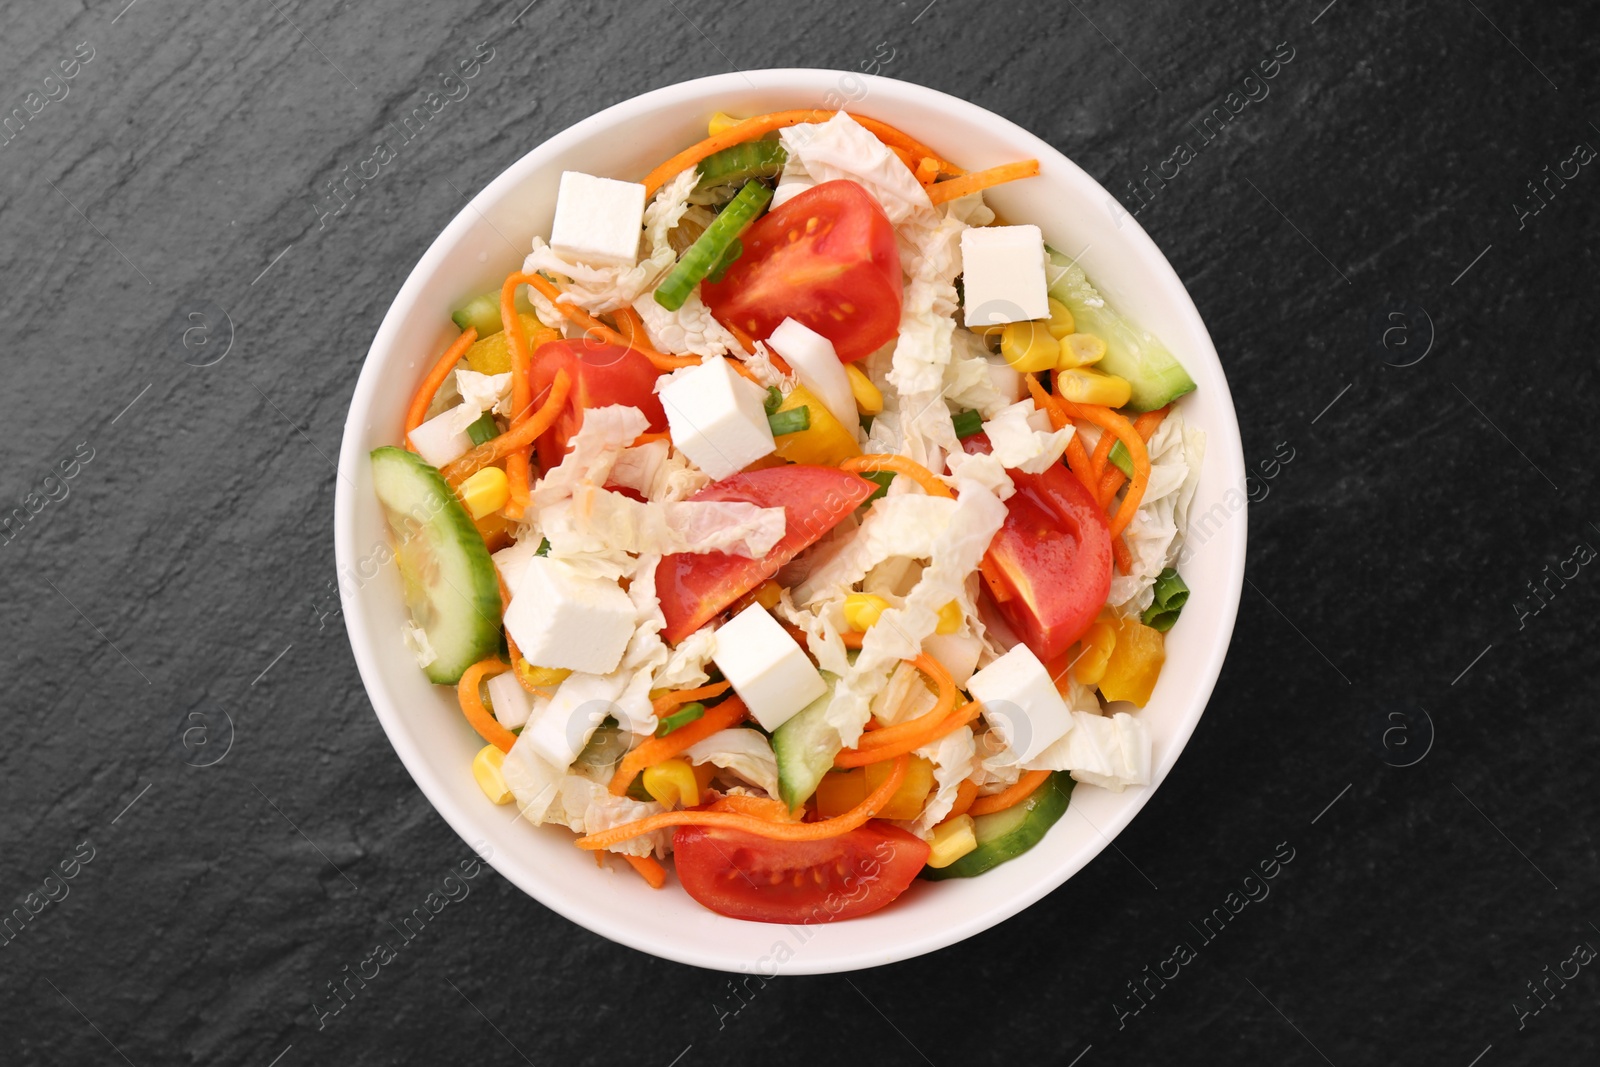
x: 492, y: 354
x: 1061, y: 320
x: 825, y: 443
x: 952, y: 839
x: 486, y: 769
x: 1095, y: 652
x: 839, y: 791
x: 674, y: 783
x: 861, y: 610
x: 950, y: 617
x: 1029, y: 347
x: 868, y: 397
x: 540, y: 677
x: 1135, y: 662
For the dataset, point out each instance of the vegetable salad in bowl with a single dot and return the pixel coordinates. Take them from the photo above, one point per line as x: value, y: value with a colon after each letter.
x: 789, y: 515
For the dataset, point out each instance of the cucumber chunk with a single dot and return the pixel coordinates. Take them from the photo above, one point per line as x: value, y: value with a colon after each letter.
x: 1156, y: 376
x: 1007, y: 834
x: 708, y: 250
x: 450, y: 585
x: 805, y: 747
x: 740, y: 163
x: 482, y: 313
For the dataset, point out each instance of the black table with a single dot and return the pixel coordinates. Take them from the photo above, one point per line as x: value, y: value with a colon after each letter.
x: 1391, y: 240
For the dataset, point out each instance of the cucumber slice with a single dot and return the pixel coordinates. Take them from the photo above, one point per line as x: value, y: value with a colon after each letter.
x: 450, y: 584
x: 1008, y: 834
x: 708, y: 250
x: 1156, y: 376
x: 805, y: 747
x: 482, y: 313
x: 740, y: 163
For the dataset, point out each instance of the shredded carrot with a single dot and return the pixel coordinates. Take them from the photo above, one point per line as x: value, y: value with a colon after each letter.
x: 966, y: 793
x: 1102, y: 455
x: 746, y: 342
x: 882, y: 461
x: 889, y: 735
x: 1121, y: 554
x: 939, y: 192
x: 1112, y: 422
x: 522, y: 436
x: 630, y: 325
x: 761, y: 125
x: 782, y: 831
x: 649, y: 869
x: 487, y: 725
x: 866, y: 754
x: 852, y: 638
x: 598, y: 329
x: 1112, y: 479
x: 418, y: 412
x: 757, y: 807
x: 1011, y: 796
x: 651, y: 438
x: 663, y: 705
x: 926, y: 170
x: 728, y: 713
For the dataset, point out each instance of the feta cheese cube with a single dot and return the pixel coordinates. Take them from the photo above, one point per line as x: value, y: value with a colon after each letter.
x: 1002, y: 270
x: 512, y: 704
x: 1020, y: 702
x: 770, y: 672
x: 561, y: 619
x: 717, y: 418
x: 560, y: 729
x: 598, y: 220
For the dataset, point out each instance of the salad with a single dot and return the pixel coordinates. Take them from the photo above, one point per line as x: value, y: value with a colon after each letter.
x: 791, y: 519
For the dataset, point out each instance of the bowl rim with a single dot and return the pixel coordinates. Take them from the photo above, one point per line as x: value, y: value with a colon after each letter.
x: 800, y: 81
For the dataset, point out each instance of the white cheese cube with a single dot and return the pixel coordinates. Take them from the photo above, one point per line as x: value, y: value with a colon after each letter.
x: 1020, y: 702
x: 444, y: 437
x: 816, y: 364
x: 562, y: 727
x: 511, y: 703
x: 717, y: 418
x: 770, y: 672
x: 598, y: 220
x: 1002, y: 271
x: 561, y: 619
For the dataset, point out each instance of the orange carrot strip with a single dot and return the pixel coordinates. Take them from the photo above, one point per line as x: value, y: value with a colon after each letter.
x: 596, y: 328
x: 521, y: 437
x: 649, y: 869
x: 1010, y: 797
x: 1112, y: 479
x: 761, y: 125
x: 730, y: 712
x: 1101, y: 455
x: 939, y: 192
x: 966, y: 793
x: 880, y: 461
x: 782, y: 831
x: 1120, y: 553
x: 487, y: 725
x: 888, y: 735
x: 417, y: 413
x: 651, y: 438
x: 1110, y: 421
x: 757, y: 807
x: 927, y: 170
x: 952, y: 722
x: 630, y: 325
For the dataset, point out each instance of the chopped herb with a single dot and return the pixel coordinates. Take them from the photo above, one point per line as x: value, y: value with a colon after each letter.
x: 967, y: 423
x: 1170, y: 596
x: 682, y: 717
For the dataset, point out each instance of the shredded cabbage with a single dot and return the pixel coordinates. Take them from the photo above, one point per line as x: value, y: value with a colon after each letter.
x: 952, y: 757
x: 1112, y: 752
x: 1155, y: 536
x: 1022, y: 438
x: 743, y: 751
x: 599, y: 521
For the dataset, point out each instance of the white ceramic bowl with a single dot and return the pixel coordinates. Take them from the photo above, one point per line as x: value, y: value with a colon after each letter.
x: 488, y: 239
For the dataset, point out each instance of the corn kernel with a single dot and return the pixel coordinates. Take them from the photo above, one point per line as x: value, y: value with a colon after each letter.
x: 1097, y: 645
x: 486, y: 768
x: 1028, y: 346
x: 1087, y: 386
x: 720, y: 123
x: 1080, y: 350
x: 1061, y: 321
x: 672, y: 782
x: 861, y: 610
x: 950, y: 618
x: 485, y: 492
x: 869, y: 398
x: 952, y: 839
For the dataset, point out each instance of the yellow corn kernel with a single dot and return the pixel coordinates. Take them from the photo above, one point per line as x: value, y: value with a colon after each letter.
x: 533, y: 677
x: 485, y: 492
x: 1080, y: 350
x: 952, y: 839
x: 1061, y: 321
x: 720, y: 123
x: 861, y: 610
x: 1086, y: 386
x: 672, y: 782
x: 950, y: 617
x: 1028, y: 346
x: 869, y: 398
x: 486, y: 769
x: 1096, y: 648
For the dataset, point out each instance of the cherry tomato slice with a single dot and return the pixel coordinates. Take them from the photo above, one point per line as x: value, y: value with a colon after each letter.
x: 695, y: 587
x: 826, y: 258
x: 744, y: 876
x: 602, y: 374
x: 1054, y: 555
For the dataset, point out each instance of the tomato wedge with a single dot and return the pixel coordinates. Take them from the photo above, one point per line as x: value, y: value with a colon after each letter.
x: 602, y: 374
x: 744, y: 876
x: 827, y: 258
x: 695, y: 587
x: 1053, y: 555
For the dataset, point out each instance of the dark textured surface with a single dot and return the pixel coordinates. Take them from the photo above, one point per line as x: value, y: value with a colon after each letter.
x: 185, y: 580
